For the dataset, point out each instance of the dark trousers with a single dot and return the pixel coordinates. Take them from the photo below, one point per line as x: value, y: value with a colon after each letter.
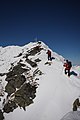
x: 49, y: 57
x: 67, y: 71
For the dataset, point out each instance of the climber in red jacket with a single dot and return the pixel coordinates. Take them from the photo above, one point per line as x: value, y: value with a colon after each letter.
x: 67, y: 66
x: 49, y: 54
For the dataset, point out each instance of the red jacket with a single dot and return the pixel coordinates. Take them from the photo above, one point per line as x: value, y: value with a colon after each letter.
x: 66, y: 65
x: 49, y: 52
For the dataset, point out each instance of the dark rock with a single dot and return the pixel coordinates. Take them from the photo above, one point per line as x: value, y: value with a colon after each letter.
x: 37, y: 60
x: 1, y: 115
x: 14, y: 82
x: 37, y: 71
x: 33, y: 64
x: 10, y: 88
x: 20, y: 54
x: 35, y: 50
x: 39, y: 42
x: 25, y: 95
x: 2, y: 74
x: 15, y: 78
x: 10, y: 106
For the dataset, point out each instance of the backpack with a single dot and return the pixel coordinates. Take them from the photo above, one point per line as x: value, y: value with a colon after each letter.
x: 69, y: 64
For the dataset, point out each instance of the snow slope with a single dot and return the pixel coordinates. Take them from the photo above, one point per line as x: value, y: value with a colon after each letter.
x: 72, y: 116
x: 56, y: 92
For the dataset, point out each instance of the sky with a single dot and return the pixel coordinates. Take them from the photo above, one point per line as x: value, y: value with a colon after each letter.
x: 55, y: 22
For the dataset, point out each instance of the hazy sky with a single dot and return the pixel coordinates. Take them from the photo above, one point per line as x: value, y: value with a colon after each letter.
x: 55, y: 22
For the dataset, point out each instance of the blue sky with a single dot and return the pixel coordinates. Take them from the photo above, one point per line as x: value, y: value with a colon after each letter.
x: 55, y: 22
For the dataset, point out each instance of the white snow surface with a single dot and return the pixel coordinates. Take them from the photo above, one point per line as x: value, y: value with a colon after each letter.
x: 56, y: 91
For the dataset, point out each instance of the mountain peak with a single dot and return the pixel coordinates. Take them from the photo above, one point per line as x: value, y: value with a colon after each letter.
x: 29, y: 80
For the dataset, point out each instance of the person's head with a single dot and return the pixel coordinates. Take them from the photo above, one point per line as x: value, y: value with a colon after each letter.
x: 67, y: 61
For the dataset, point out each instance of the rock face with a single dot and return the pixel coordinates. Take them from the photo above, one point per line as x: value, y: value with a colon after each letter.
x: 21, y: 84
x: 22, y: 98
x: 25, y: 95
x: 15, y: 78
x: 25, y: 92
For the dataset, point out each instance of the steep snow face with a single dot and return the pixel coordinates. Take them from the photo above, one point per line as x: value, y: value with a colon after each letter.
x: 8, y: 56
x: 56, y: 92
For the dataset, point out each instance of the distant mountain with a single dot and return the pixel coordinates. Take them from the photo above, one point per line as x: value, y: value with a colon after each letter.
x: 33, y: 88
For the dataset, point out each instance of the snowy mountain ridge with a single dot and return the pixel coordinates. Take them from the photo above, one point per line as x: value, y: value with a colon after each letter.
x: 52, y: 93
